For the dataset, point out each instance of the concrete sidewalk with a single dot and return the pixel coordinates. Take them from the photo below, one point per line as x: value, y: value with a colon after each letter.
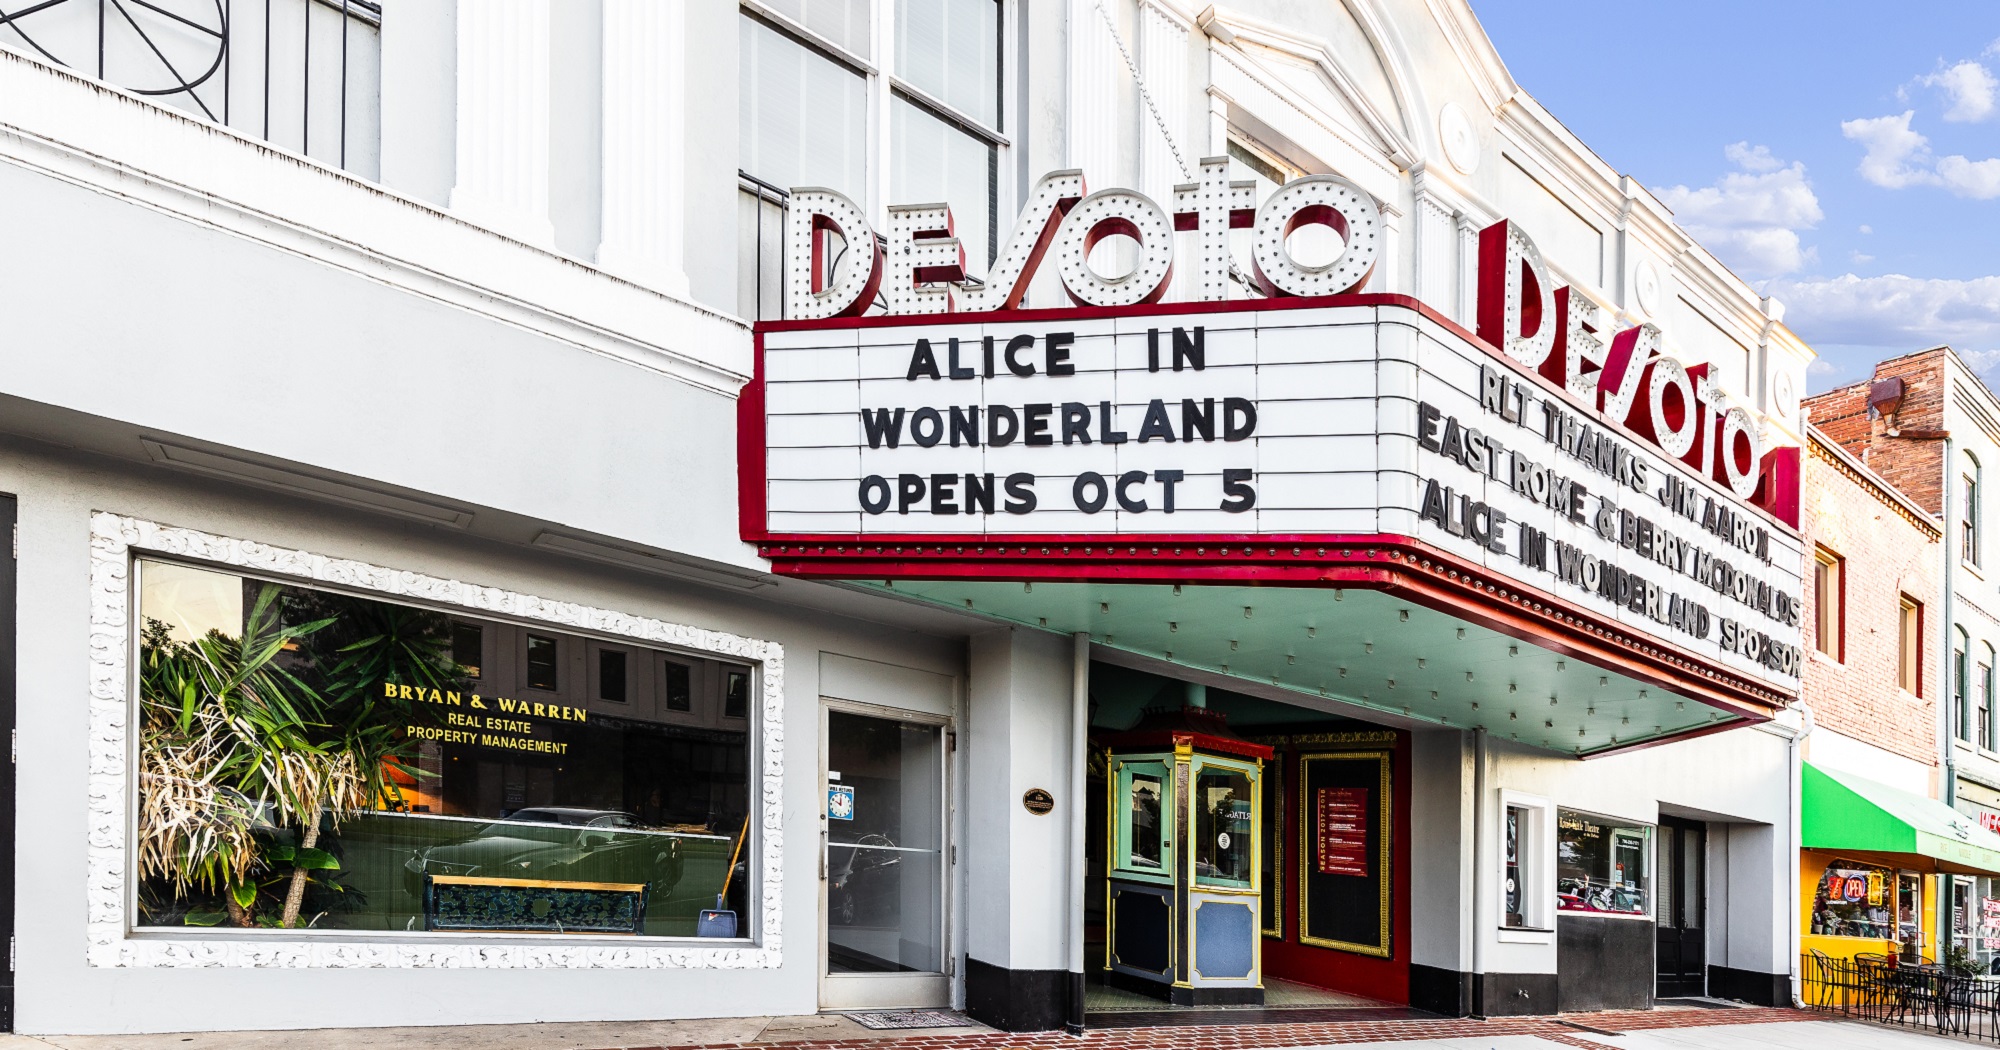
x: 1654, y: 1030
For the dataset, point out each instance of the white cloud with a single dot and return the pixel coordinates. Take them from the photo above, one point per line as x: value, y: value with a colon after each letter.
x: 1977, y: 179
x: 1894, y: 156
x: 1893, y: 311
x: 1865, y: 228
x: 1752, y: 158
x: 1889, y: 146
x: 1969, y: 87
x: 1858, y: 258
x: 1751, y: 218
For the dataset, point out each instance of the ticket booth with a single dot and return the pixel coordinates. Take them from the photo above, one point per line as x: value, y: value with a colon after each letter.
x: 1183, y: 885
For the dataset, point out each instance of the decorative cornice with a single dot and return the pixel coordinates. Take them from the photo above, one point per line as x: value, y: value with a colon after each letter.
x: 114, y: 540
x: 1359, y: 739
x: 1830, y: 453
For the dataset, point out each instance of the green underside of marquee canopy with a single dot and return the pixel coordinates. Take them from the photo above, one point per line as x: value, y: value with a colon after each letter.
x: 1843, y: 813
x: 1351, y: 651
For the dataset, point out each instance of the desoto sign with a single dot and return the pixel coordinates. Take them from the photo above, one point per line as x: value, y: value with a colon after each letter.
x: 1581, y: 461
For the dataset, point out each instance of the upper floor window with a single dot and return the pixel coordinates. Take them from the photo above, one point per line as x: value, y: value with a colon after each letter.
x: 1829, y: 602
x: 1968, y: 515
x: 303, y: 75
x: 831, y: 89
x: 1961, y: 695
x: 1982, y: 699
x: 1909, y: 637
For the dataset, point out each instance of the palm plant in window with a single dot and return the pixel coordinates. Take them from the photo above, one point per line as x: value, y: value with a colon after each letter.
x: 253, y: 747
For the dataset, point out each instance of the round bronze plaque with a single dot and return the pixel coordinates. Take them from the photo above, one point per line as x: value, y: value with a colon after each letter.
x: 1037, y: 801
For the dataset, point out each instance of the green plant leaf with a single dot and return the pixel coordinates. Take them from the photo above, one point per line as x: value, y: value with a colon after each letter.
x: 278, y: 853
x: 311, y: 859
x: 204, y: 918
x: 244, y: 894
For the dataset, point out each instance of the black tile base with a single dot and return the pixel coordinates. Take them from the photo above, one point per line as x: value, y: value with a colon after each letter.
x: 1020, y: 1000
x: 1513, y: 994
x: 1750, y: 986
x: 1447, y: 993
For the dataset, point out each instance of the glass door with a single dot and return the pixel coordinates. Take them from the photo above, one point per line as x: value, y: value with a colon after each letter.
x: 882, y: 862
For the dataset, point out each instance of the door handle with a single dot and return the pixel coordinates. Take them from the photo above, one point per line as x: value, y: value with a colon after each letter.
x: 822, y: 850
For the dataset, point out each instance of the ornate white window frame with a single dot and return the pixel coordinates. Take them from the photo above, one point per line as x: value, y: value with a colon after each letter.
x: 114, y: 539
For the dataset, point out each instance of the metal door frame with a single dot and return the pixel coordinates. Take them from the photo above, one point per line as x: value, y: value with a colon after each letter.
x: 871, y: 991
x: 1682, y: 894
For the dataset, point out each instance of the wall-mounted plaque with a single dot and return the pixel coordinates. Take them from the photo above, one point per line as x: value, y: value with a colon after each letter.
x: 1038, y: 801
x: 1342, y: 820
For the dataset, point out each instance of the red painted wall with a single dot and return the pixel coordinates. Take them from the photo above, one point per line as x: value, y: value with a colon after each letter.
x: 1385, y: 979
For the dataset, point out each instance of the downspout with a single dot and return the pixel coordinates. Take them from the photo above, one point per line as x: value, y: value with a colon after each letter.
x: 1079, y: 751
x: 1797, y: 816
x: 1477, y: 912
x: 1948, y: 786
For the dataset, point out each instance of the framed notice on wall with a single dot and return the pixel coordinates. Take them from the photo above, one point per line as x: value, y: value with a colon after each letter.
x: 1344, y: 875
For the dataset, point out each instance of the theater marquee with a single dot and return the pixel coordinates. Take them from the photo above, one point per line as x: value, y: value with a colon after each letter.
x: 958, y: 435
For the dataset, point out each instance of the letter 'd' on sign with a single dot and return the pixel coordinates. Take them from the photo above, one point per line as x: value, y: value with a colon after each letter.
x: 1521, y: 320
x: 819, y: 285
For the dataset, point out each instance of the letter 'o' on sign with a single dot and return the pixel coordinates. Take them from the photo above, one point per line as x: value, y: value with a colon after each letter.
x: 1317, y: 200
x: 1114, y: 213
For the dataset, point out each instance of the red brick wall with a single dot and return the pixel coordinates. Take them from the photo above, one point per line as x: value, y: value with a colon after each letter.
x: 1885, y: 554
x: 1912, y: 461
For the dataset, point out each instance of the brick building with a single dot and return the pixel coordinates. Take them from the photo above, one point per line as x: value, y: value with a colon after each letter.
x: 1877, y: 547
x: 1929, y: 426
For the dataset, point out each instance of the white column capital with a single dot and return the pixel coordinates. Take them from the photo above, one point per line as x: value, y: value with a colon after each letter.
x: 644, y: 143
x: 503, y: 118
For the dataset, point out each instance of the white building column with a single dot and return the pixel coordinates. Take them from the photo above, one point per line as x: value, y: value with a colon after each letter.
x: 503, y: 118
x: 644, y: 141
x: 1018, y: 863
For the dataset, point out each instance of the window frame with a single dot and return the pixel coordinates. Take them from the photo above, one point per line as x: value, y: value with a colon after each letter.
x: 116, y: 554
x: 1910, y: 646
x: 1829, y: 617
x: 1970, y: 524
x: 1537, y: 849
x: 882, y: 89
x: 1961, y: 685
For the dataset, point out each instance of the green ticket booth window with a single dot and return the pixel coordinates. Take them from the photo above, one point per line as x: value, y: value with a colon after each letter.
x: 1144, y: 817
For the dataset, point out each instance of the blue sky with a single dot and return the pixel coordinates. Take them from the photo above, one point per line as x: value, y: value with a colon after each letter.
x: 1842, y: 156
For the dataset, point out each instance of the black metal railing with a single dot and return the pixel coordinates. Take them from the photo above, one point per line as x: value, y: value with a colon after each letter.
x: 1888, y: 990
x: 253, y: 65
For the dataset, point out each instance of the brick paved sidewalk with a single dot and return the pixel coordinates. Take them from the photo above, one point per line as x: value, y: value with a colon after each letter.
x: 1568, y: 1030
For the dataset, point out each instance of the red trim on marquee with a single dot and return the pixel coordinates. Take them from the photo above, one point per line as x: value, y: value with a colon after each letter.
x: 1395, y: 564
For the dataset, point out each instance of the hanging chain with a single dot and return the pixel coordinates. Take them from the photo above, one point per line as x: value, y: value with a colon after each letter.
x: 1144, y: 95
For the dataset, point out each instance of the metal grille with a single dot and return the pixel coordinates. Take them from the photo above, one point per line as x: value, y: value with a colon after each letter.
x: 300, y: 74
x: 1913, y: 994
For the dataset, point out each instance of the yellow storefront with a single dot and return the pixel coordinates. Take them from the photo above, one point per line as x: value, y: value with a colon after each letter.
x: 1872, y: 858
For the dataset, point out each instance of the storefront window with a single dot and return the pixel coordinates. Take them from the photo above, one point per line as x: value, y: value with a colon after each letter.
x: 1222, y: 826
x: 319, y: 760
x: 1602, y: 866
x: 1853, y: 900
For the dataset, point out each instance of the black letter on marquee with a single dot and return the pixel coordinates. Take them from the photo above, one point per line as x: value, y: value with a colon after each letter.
x: 923, y: 362
x: 874, y: 494
x: 1237, y: 495
x: 1125, y: 483
x: 1020, y: 493
x: 1015, y: 345
x: 1094, y: 480
x: 1167, y: 479
x: 1057, y: 344
x: 1232, y: 430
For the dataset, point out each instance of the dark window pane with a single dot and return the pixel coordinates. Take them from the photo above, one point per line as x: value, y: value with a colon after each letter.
x: 680, y: 695
x: 466, y: 650
x: 541, y: 662
x: 611, y: 675
x: 736, y: 699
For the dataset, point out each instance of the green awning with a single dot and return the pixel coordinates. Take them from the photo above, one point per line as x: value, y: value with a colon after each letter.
x: 1855, y: 816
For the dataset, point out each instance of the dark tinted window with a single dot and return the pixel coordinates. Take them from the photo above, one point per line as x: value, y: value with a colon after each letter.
x: 466, y: 648
x: 541, y: 662
x: 680, y: 694
x: 611, y: 675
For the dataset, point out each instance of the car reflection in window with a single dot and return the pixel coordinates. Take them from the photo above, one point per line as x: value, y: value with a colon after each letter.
x: 559, y: 844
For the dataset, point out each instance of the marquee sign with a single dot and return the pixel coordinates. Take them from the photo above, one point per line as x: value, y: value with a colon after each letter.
x: 1540, y: 447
